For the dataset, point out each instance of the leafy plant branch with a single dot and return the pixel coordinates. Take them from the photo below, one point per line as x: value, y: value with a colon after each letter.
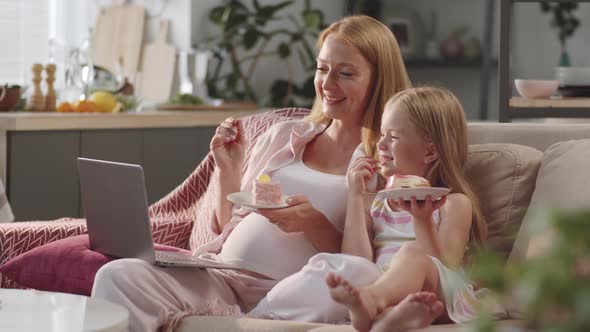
x: 245, y: 38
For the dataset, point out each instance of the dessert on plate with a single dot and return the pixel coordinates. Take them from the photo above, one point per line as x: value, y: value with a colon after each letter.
x: 398, y: 181
x: 265, y: 191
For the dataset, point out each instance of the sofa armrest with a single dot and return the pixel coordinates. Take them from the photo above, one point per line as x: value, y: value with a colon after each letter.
x: 19, y: 237
x: 173, y: 232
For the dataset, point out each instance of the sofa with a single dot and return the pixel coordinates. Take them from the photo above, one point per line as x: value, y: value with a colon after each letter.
x: 516, y: 168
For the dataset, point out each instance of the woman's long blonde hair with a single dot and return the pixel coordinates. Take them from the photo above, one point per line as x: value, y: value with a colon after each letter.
x: 439, y: 117
x: 378, y: 45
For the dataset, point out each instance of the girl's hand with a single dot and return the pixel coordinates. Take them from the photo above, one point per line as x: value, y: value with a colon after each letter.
x: 293, y: 218
x: 229, y: 145
x: 360, y: 173
x: 421, y: 211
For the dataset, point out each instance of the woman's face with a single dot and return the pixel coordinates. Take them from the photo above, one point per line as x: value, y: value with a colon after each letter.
x: 402, y: 149
x: 343, y: 80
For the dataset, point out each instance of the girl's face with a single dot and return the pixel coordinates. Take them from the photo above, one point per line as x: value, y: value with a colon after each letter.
x: 402, y: 149
x: 343, y: 80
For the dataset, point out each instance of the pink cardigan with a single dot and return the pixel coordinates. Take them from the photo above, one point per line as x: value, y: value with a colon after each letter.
x: 273, y: 150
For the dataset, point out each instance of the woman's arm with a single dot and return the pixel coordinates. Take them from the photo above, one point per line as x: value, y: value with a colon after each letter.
x: 228, y: 181
x: 302, y: 217
x: 228, y: 146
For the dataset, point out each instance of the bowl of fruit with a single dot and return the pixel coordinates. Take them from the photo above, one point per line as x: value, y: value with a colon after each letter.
x: 100, y: 102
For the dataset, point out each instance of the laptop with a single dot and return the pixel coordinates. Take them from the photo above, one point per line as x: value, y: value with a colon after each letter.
x: 115, y: 204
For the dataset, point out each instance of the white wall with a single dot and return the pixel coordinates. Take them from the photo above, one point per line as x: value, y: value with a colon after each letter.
x: 535, y: 44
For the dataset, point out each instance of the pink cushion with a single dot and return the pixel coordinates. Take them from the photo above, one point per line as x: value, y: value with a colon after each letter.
x: 66, y: 265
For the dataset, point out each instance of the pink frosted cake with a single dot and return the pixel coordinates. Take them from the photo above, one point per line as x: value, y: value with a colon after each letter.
x: 265, y: 191
x: 397, y: 181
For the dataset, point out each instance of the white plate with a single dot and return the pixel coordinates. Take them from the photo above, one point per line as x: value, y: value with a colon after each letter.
x: 420, y: 193
x: 245, y: 200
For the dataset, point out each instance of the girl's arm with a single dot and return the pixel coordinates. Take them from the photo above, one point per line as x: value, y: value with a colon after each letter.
x: 358, y: 230
x: 454, y: 229
x: 449, y: 240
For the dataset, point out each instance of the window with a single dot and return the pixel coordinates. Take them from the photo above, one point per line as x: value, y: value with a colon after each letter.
x: 24, y: 38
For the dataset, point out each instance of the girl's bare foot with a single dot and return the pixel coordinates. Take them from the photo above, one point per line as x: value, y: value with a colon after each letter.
x: 362, y: 309
x: 417, y: 310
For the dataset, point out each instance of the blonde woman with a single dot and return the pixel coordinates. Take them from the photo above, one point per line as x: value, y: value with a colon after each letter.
x: 359, y: 67
x: 418, y: 246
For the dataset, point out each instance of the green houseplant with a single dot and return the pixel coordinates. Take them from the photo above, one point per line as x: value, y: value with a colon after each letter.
x: 566, y: 23
x: 251, y: 32
x: 551, y: 290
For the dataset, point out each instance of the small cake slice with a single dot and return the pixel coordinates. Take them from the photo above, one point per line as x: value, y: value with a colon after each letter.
x: 397, y: 181
x: 265, y: 191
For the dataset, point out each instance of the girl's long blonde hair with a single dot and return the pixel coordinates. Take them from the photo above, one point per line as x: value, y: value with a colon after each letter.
x: 377, y: 44
x: 439, y: 117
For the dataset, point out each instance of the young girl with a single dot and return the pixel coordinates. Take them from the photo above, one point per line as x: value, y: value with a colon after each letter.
x: 419, y: 245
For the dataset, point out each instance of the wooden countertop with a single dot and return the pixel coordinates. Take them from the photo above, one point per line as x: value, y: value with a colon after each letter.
x: 29, y: 121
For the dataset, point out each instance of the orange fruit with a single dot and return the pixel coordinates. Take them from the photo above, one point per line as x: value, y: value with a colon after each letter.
x: 65, y: 107
x: 86, y: 106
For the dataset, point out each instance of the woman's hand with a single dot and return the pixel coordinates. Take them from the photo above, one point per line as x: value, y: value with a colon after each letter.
x: 229, y: 145
x: 421, y: 211
x: 361, y: 171
x: 293, y: 218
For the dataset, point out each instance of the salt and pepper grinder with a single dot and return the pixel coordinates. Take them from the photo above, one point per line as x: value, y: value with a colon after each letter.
x: 37, y: 101
x: 50, y: 97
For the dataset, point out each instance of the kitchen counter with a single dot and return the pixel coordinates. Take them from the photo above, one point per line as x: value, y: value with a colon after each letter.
x: 38, y: 152
x: 23, y: 121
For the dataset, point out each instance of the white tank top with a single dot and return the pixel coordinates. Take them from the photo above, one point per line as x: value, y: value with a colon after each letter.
x: 257, y: 245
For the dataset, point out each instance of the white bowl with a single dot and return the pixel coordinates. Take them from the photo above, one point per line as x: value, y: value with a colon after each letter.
x: 536, y: 89
x: 573, y: 76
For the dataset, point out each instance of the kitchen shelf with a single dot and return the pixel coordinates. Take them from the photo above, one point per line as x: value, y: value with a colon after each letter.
x: 569, y: 103
x: 549, y: 108
x: 513, y: 107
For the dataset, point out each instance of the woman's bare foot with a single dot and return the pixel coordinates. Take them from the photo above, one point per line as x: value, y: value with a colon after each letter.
x: 362, y: 309
x: 417, y: 310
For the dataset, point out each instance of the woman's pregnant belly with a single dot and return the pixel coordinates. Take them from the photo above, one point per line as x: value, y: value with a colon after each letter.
x: 257, y: 245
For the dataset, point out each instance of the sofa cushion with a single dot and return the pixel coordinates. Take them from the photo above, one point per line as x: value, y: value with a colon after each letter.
x: 562, y: 183
x: 503, y: 176
x: 66, y: 265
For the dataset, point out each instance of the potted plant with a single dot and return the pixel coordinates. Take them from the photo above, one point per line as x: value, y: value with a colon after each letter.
x: 246, y: 36
x: 551, y: 289
x: 566, y: 23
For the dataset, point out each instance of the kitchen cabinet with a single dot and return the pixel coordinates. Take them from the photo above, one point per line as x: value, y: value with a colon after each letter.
x: 42, y: 175
x: 518, y: 108
x: 39, y: 165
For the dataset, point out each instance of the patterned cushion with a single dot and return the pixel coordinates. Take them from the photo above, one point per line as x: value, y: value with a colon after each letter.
x: 67, y: 266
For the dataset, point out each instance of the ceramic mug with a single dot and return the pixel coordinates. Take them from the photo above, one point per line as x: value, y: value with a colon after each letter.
x: 9, y: 97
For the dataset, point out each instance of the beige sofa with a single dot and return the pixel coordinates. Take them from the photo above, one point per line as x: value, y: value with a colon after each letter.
x: 517, y: 168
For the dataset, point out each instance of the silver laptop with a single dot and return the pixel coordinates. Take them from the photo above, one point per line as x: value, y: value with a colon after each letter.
x: 115, y: 204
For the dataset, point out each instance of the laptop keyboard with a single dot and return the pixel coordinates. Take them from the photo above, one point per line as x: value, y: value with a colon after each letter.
x: 174, y: 257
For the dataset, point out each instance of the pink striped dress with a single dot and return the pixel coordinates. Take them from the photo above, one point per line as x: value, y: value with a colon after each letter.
x: 394, y: 228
